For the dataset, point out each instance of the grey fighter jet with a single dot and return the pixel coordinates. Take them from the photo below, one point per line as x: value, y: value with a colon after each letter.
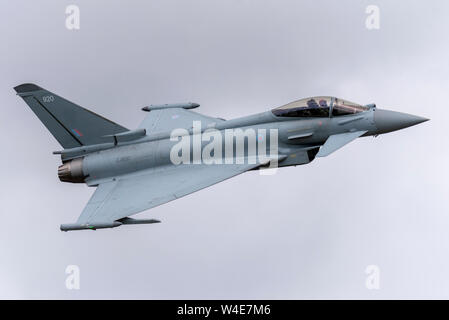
x: 176, y: 151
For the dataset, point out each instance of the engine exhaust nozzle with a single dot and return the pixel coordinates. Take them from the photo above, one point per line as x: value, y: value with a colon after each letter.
x: 72, y: 171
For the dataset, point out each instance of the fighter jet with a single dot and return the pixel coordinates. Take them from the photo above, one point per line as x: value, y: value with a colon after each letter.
x: 176, y: 151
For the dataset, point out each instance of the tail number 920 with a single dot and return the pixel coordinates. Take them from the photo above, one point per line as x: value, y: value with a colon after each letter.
x: 48, y: 98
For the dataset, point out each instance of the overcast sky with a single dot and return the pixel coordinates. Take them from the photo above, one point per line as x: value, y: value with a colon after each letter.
x: 308, y: 231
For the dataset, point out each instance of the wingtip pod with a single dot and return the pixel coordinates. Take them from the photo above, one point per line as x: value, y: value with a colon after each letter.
x: 26, y: 87
x: 128, y: 220
x: 188, y: 105
x: 105, y: 225
x: 88, y: 226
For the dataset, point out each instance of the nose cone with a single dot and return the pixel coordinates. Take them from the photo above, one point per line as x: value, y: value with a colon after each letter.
x: 387, y: 121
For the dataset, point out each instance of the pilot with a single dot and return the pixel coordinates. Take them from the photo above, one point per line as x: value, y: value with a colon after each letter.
x: 312, y: 104
x: 323, y: 103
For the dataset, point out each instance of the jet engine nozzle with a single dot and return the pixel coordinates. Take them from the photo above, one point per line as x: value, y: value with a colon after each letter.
x: 72, y: 171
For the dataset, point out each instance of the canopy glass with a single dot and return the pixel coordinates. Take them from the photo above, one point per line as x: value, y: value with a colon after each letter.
x: 315, y: 107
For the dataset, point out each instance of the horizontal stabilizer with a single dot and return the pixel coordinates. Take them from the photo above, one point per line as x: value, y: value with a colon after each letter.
x: 336, y: 141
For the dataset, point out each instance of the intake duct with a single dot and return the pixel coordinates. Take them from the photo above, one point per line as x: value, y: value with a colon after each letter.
x: 71, y: 171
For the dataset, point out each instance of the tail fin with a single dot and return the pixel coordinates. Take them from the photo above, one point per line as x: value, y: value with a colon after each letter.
x: 72, y: 125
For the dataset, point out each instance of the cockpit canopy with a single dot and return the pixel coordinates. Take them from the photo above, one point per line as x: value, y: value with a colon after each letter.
x: 319, y: 107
